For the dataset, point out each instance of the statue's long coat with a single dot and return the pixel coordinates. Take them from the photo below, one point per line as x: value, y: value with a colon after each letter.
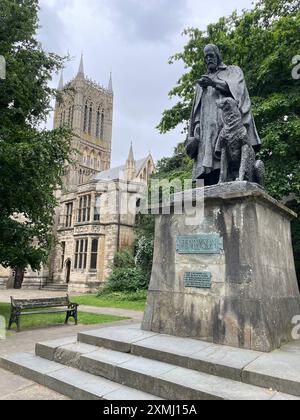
x: 207, y: 118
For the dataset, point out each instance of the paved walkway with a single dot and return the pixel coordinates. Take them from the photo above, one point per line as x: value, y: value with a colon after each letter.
x: 14, y: 387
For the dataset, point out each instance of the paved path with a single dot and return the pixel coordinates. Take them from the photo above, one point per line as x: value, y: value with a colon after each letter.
x: 14, y: 387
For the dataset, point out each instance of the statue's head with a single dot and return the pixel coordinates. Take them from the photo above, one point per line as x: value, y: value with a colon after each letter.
x: 212, y: 57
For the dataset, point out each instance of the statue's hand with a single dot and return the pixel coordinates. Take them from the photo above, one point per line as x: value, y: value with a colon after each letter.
x: 206, y: 81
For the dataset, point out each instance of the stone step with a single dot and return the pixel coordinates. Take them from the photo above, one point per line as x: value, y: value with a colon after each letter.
x: 73, y: 383
x: 164, y: 380
x: 279, y: 370
x: 192, y: 354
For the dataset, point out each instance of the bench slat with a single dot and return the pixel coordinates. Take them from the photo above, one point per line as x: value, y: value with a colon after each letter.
x: 45, y: 312
x: 40, y: 303
x: 40, y: 306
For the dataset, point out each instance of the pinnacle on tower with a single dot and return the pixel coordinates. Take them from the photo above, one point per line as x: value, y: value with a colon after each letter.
x: 61, y: 81
x: 130, y: 168
x: 110, y: 84
x: 81, y: 68
x: 130, y: 155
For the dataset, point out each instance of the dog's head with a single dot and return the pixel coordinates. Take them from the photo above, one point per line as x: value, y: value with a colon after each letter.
x: 230, y: 109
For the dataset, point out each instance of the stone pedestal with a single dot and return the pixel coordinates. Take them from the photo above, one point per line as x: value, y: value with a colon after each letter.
x: 242, y: 291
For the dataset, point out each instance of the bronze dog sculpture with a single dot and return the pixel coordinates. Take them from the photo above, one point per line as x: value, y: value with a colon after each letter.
x: 237, y: 155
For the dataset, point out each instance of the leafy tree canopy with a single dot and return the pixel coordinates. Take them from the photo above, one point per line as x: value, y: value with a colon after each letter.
x: 31, y: 159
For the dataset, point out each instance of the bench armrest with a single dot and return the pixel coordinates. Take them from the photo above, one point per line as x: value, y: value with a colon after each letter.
x: 73, y: 305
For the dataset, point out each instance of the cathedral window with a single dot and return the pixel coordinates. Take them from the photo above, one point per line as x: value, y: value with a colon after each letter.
x: 102, y: 126
x: 90, y: 119
x: 81, y: 254
x: 69, y: 214
x: 92, y: 163
x: 85, y: 122
x: 98, y: 124
x: 94, y: 254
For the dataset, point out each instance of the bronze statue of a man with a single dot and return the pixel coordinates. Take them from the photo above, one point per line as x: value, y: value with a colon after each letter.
x: 206, y: 121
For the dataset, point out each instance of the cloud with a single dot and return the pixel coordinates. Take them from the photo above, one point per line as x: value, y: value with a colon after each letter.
x: 52, y: 31
x: 150, y: 21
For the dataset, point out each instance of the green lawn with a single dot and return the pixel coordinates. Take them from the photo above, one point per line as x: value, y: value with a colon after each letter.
x: 113, y: 300
x: 36, y: 321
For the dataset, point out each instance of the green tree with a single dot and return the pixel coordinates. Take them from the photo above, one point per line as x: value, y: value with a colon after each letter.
x: 263, y: 42
x: 31, y: 158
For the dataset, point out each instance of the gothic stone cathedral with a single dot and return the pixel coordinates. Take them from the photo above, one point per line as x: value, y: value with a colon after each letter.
x: 89, y: 226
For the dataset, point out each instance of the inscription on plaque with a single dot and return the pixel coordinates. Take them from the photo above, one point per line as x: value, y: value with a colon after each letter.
x: 199, y: 244
x: 198, y: 280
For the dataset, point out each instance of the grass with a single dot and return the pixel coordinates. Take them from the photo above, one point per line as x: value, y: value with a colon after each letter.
x: 40, y: 321
x: 132, y: 301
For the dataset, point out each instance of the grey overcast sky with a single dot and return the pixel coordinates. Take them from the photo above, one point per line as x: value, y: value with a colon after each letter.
x: 133, y: 39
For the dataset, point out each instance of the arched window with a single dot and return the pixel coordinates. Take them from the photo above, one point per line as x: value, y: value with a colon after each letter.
x: 85, y: 122
x: 102, y: 125
x: 90, y: 119
x: 64, y: 118
x: 92, y: 159
x: 98, y: 123
x: 60, y: 119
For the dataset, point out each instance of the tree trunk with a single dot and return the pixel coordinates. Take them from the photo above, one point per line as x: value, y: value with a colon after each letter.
x: 19, y: 277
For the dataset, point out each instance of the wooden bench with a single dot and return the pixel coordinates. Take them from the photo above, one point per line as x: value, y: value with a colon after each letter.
x: 22, y: 307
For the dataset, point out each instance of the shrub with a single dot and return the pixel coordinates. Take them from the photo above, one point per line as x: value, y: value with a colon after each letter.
x: 124, y: 259
x: 144, y: 254
x: 127, y: 280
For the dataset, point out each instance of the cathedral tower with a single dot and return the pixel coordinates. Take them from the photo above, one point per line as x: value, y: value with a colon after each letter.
x: 87, y: 108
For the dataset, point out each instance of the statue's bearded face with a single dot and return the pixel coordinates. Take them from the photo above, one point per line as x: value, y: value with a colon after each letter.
x: 211, y: 59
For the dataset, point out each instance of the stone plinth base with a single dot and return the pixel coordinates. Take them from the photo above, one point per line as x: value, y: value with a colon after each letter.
x: 254, y: 293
